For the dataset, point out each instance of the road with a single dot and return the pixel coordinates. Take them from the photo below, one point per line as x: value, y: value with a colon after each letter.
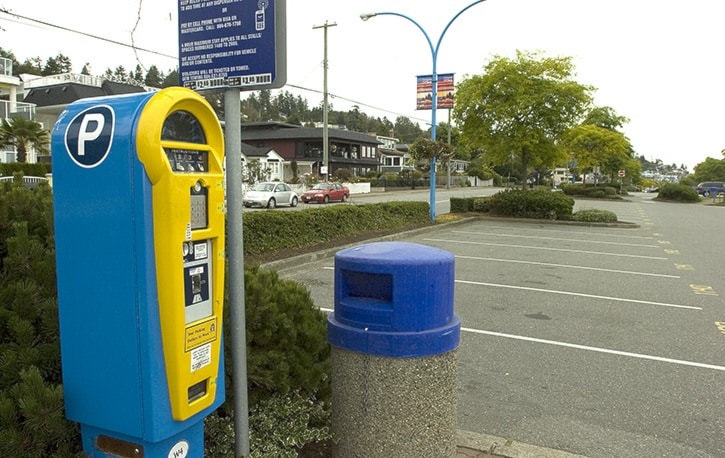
x: 420, y: 195
x: 596, y: 341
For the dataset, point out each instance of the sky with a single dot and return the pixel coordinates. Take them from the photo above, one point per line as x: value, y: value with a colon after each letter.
x: 660, y: 63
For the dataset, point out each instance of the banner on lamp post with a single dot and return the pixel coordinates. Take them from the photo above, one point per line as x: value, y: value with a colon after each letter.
x: 424, y: 91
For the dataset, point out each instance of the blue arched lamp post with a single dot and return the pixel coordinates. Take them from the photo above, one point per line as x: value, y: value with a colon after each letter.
x: 434, y: 87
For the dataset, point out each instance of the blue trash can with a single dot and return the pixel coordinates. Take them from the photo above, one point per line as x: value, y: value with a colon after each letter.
x: 394, y: 367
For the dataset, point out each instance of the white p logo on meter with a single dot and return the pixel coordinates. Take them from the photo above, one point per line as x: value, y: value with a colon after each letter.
x: 89, y: 135
x: 85, y: 135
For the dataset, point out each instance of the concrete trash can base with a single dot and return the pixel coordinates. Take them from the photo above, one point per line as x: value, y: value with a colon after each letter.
x: 394, y: 366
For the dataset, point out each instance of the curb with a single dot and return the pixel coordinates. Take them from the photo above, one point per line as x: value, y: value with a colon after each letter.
x: 295, y: 261
x: 476, y: 445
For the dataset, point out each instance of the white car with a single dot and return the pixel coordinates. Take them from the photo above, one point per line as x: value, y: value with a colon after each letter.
x: 271, y: 194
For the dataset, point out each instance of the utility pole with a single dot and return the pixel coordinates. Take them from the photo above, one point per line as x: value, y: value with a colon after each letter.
x: 325, y: 133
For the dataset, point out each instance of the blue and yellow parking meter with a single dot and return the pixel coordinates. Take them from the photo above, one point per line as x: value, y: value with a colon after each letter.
x: 139, y: 228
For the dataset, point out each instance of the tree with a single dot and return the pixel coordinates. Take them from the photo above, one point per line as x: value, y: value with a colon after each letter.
x: 22, y: 133
x: 57, y: 65
x: 710, y: 170
x: 594, y: 146
x: 172, y: 79
x: 120, y: 74
x: 138, y: 74
x: 153, y: 77
x: 406, y: 131
x: 521, y: 107
x: 606, y: 118
x: 34, y: 66
x: 425, y: 149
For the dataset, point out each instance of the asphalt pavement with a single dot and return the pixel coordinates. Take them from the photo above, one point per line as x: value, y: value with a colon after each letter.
x: 582, y: 340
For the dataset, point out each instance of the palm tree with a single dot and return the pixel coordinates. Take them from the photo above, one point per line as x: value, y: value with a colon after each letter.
x: 23, y: 133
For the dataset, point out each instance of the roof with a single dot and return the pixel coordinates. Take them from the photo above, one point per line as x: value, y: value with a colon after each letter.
x: 281, y: 131
x: 66, y: 93
x: 254, y: 151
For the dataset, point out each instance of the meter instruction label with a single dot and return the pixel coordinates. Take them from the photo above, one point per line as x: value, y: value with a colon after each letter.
x: 200, y: 334
x: 200, y: 357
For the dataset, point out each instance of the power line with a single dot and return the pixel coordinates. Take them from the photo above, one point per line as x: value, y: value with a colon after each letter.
x: 136, y: 48
x: 335, y: 96
x: 96, y: 37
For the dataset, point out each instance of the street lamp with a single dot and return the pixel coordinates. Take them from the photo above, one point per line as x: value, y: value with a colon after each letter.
x: 434, y: 87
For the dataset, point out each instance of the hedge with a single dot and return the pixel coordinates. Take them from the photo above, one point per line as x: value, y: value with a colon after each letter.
x: 266, y: 231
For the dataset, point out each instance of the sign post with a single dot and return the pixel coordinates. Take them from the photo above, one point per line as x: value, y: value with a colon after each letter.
x: 234, y: 45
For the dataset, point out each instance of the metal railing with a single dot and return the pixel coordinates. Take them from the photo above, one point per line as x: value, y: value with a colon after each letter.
x: 87, y: 80
x: 8, y: 108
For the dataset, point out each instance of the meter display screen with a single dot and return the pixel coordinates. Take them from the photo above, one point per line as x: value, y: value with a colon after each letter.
x: 182, y: 126
x: 188, y: 160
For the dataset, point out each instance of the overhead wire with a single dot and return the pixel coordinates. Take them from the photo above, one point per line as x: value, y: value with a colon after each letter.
x: 85, y: 34
x: 138, y: 48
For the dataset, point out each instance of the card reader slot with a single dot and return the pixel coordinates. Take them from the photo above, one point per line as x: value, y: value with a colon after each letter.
x: 197, y: 391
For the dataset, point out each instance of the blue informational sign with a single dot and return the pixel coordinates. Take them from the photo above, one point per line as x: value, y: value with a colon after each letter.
x: 232, y: 43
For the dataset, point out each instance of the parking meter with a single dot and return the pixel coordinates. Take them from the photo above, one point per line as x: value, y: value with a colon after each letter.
x: 139, y: 229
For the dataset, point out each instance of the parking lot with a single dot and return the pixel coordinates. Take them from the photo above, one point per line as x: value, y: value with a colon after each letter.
x: 600, y: 341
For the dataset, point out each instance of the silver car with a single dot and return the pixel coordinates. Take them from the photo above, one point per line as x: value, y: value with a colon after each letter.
x: 271, y: 194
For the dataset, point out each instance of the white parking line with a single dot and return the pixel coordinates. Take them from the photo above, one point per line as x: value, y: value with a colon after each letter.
x: 585, y: 347
x: 530, y: 247
x: 567, y: 266
x: 597, y: 349
x: 559, y: 231
x: 569, y: 293
x: 554, y: 238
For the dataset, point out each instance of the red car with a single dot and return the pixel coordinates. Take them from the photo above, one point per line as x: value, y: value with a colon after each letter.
x: 325, y: 192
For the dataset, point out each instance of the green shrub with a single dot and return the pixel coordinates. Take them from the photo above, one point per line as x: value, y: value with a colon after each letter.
x: 677, y: 192
x: 32, y: 421
x: 286, y: 338
x: 481, y: 204
x: 461, y: 204
x: 540, y: 203
x: 288, y: 358
x: 288, y: 367
x: 27, y: 169
x: 590, y: 191
x: 595, y: 216
x: 266, y: 231
x: 278, y: 426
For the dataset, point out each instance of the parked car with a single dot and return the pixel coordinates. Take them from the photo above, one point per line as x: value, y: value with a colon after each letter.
x: 270, y: 195
x: 705, y: 188
x: 325, y: 192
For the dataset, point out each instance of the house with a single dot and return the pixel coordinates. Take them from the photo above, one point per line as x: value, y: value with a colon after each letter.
x: 394, y: 157
x: 561, y: 175
x: 43, y: 98
x: 11, y: 106
x: 270, y: 165
x: 355, y: 151
x: 52, y: 94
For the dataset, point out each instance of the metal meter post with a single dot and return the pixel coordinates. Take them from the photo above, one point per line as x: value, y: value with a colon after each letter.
x: 139, y: 228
